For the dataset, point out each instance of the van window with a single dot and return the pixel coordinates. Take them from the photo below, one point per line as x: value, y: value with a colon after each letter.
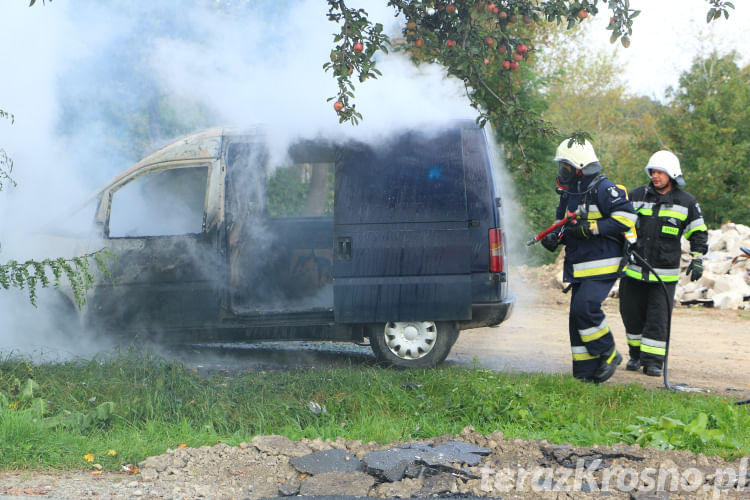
x: 160, y: 203
x: 301, y: 190
x: 412, y: 178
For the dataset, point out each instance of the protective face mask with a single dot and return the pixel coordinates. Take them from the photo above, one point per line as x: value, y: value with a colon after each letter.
x: 565, y: 173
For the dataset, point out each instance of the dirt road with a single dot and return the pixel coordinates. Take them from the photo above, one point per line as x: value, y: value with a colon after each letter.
x: 710, y: 348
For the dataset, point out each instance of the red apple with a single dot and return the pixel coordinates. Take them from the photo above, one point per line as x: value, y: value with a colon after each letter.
x: 583, y: 14
x: 358, y: 48
x: 489, y: 41
x: 450, y: 9
x: 522, y: 49
x: 506, y: 64
x: 502, y: 49
x: 450, y: 43
x: 338, y: 106
x: 419, y: 42
x: 513, y: 65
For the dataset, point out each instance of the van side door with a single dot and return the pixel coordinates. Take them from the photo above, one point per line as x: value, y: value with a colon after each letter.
x: 401, y: 235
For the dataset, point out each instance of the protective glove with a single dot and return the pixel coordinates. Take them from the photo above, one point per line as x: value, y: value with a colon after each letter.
x: 551, y: 241
x: 579, y: 231
x: 695, y: 268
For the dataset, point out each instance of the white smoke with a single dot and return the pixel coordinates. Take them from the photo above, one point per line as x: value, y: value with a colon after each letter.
x: 249, y: 66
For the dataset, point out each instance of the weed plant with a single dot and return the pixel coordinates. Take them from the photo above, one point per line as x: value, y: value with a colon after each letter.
x: 122, y: 409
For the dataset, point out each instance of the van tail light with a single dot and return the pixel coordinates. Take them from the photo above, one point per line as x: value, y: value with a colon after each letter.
x: 497, y: 262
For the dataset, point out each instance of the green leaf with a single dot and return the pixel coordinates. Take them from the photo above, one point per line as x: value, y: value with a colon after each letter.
x: 38, y: 407
x: 27, y: 389
x: 698, y: 424
x: 710, y: 15
x: 659, y: 439
x: 105, y: 410
x: 670, y: 423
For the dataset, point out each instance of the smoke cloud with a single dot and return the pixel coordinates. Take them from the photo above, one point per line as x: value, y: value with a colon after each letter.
x: 94, y: 86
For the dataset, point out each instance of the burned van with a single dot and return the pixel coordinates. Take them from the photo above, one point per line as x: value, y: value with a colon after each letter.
x: 218, y: 237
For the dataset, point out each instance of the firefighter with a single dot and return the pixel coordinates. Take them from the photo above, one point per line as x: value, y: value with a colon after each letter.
x: 594, y: 245
x: 665, y: 213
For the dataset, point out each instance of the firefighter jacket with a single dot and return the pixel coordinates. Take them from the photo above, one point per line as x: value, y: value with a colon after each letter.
x: 610, y: 215
x: 662, y: 219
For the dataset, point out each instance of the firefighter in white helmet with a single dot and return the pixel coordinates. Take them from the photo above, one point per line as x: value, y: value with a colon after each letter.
x: 593, y: 254
x: 665, y: 214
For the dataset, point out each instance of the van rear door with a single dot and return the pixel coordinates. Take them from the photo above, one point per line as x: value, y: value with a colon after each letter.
x: 401, y: 232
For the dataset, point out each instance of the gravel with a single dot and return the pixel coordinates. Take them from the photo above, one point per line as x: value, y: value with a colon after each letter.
x: 514, y: 468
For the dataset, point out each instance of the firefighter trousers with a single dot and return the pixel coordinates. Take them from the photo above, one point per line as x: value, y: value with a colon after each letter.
x: 590, y: 336
x: 645, y: 312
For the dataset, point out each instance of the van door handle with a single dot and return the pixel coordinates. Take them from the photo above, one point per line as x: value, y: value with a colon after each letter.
x: 344, y: 248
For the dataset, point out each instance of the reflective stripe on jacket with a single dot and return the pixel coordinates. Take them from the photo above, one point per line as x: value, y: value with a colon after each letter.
x: 599, y: 256
x: 662, y: 219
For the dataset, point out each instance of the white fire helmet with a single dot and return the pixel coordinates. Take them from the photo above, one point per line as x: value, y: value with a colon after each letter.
x: 668, y: 163
x: 577, y: 155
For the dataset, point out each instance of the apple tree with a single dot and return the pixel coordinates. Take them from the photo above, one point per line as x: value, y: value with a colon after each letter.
x: 484, y: 43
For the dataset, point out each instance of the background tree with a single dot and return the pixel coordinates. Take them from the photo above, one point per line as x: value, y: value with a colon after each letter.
x: 585, y: 89
x: 708, y: 126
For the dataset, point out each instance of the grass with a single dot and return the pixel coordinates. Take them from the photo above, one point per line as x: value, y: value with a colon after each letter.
x: 134, y: 405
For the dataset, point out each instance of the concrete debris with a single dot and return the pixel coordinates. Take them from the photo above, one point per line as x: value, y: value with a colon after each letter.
x: 725, y: 283
x: 392, y: 464
x: 326, y: 461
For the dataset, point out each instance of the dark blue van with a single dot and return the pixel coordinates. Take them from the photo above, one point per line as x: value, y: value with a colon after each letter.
x: 218, y: 236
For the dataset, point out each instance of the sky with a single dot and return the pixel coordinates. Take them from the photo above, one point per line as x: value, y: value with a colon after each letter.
x: 667, y: 36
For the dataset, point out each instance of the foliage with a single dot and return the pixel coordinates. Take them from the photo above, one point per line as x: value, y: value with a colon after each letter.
x: 6, y: 162
x: 32, y: 274
x: 147, y: 405
x: 624, y: 128
x: 289, y: 189
x: 25, y: 403
x: 354, y: 51
x: 669, y: 433
x: 708, y: 126
x: 483, y: 44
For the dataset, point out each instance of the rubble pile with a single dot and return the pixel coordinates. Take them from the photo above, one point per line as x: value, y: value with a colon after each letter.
x: 725, y: 283
x: 726, y: 278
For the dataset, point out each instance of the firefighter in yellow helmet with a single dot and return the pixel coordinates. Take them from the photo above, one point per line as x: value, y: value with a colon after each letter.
x: 593, y: 254
x: 665, y: 214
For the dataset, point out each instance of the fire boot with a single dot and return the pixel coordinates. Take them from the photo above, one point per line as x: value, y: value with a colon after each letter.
x: 652, y: 370
x: 633, y: 365
x: 609, y: 362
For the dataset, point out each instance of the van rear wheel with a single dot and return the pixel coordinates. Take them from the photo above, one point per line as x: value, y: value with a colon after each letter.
x: 412, y: 344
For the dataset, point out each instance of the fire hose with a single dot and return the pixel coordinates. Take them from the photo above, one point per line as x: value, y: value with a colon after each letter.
x: 629, y: 255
